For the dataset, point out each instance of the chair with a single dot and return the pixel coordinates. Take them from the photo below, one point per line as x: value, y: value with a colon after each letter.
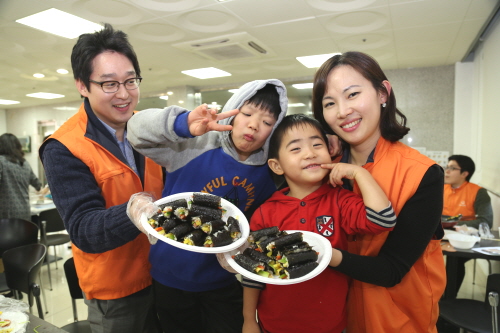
x: 52, y: 222
x: 76, y: 293
x: 22, y: 265
x: 14, y: 233
x: 471, y: 315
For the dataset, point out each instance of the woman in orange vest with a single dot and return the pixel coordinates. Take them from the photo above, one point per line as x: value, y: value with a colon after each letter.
x: 398, y: 276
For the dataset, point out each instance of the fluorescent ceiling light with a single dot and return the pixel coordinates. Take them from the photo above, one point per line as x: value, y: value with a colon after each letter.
x: 8, y: 102
x: 65, y: 108
x: 206, y: 73
x: 315, y: 61
x: 303, y: 85
x: 295, y: 105
x: 164, y: 97
x: 233, y: 91
x: 60, y: 23
x: 62, y: 71
x: 44, y: 95
x: 38, y: 75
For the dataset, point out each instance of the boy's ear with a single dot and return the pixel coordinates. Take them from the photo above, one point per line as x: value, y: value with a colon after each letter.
x: 275, y: 166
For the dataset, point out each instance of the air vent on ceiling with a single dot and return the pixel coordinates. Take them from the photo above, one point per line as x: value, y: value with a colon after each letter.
x: 229, y: 47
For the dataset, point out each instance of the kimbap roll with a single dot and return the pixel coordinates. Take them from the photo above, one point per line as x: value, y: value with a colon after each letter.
x: 213, y: 226
x: 233, y: 227
x: 296, y: 271
x: 258, y: 234
x: 213, y: 213
x: 195, y: 238
x: 179, y: 231
x: 292, y: 259
x: 221, y: 238
x: 197, y: 221
x: 171, y: 206
x: 251, y: 265
x: 207, y: 200
x: 281, y: 241
x: 181, y: 212
x: 170, y: 223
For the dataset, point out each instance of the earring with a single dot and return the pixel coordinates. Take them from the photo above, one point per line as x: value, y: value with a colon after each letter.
x: 384, y: 104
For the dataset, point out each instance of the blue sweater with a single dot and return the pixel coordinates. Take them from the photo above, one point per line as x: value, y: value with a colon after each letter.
x: 207, y: 163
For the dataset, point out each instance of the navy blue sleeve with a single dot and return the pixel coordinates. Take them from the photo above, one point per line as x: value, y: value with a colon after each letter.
x: 91, y: 227
x: 181, y: 127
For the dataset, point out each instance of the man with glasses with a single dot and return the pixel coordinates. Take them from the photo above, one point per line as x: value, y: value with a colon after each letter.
x: 92, y: 171
x: 463, y: 197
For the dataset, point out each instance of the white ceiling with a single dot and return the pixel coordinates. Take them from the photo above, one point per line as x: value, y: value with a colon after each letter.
x: 398, y: 33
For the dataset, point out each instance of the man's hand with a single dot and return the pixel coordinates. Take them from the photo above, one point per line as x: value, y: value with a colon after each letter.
x: 203, y: 119
x: 138, y: 204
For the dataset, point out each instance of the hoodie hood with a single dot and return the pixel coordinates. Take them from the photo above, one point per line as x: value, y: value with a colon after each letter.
x: 235, y: 102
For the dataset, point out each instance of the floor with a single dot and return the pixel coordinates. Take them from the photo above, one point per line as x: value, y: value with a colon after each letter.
x: 60, y: 310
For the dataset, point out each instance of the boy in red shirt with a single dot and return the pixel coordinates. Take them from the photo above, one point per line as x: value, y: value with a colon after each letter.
x: 299, y: 151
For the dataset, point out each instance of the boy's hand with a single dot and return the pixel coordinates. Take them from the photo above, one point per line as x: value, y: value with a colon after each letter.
x: 203, y: 119
x: 341, y: 170
x: 251, y: 326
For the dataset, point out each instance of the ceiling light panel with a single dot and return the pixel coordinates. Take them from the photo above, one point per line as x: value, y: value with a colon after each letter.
x: 206, y: 73
x: 60, y: 23
x: 315, y: 61
x: 45, y: 95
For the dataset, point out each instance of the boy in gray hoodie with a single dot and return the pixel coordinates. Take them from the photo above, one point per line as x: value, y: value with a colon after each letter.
x: 223, y: 154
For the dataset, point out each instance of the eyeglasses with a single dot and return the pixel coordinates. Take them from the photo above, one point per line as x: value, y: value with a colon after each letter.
x: 113, y: 86
x: 451, y: 168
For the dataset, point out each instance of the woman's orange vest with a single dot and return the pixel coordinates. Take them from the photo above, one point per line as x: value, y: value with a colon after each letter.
x: 411, y: 305
x: 125, y: 270
x: 460, y: 200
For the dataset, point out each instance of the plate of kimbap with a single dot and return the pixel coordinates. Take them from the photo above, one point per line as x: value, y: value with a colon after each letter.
x: 198, y: 222
x: 281, y: 257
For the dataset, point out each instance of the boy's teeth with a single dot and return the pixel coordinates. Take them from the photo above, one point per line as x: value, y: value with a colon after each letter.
x: 352, y: 124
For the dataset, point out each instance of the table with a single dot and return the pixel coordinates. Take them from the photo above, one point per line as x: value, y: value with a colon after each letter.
x: 452, y: 259
x: 45, y: 327
x: 36, y: 209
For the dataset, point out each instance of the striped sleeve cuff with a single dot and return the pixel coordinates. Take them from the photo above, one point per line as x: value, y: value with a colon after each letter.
x: 246, y: 282
x: 385, y: 218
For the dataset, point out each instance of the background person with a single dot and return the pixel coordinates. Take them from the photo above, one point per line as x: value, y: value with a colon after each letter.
x: 16, y: 176
x: 468, y: 199
x: 92, y: 171
x: 298, y: 148
x: 223, y: 154
x: 399, y: 276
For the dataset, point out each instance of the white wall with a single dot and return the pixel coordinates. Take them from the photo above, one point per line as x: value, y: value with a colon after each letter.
x: 3, y: 122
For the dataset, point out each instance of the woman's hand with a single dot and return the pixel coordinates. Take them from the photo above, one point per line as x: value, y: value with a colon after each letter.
x: 203, y: 119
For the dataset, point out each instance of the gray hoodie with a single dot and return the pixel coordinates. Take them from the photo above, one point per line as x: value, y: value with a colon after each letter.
x: 151, y: 132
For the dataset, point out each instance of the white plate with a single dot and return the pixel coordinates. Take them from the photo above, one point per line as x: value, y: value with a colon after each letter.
x: 319, y: 244
x: 19, y: 321
x: 231, y: 210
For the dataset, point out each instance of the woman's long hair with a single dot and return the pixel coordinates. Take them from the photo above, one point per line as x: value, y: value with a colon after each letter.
x: 11, y: 148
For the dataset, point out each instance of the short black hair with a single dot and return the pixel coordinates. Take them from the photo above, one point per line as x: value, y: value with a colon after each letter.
x: 465, y: 163
x: 91, y: 45
x: 288, y: 122
x: 267, y: 98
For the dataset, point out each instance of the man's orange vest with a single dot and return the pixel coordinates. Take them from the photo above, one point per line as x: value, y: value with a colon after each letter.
x: 460, y: 200
x: 411, y: 305
x: 125, y: 270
